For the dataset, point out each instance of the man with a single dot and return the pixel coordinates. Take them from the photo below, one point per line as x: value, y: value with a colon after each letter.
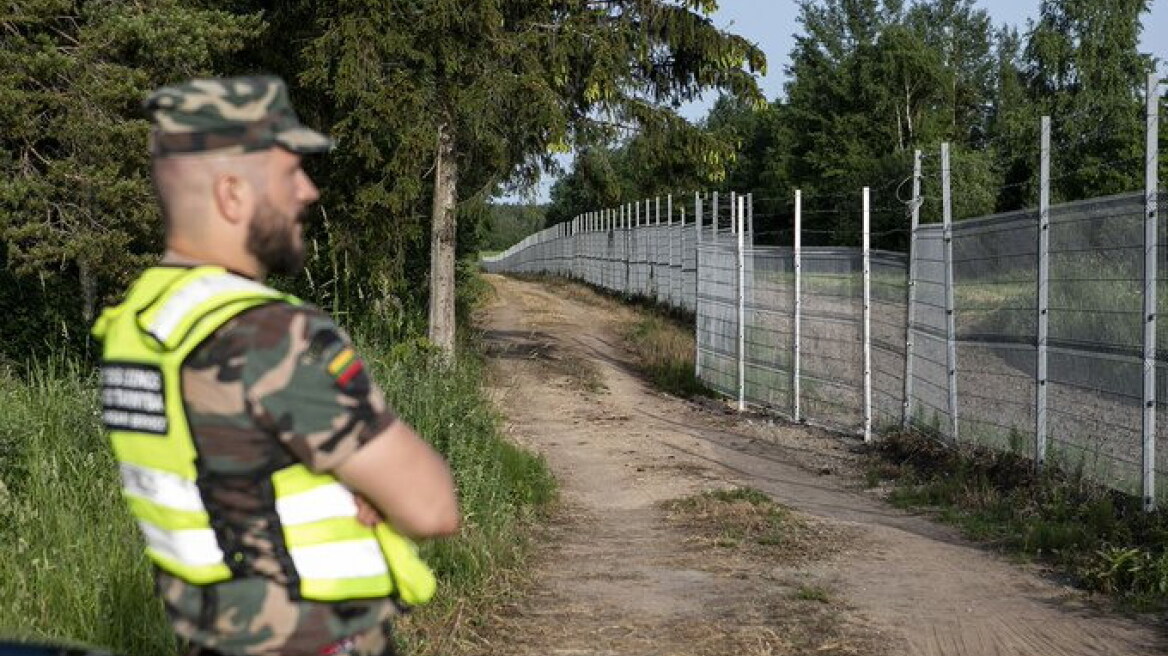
x: 256, y: 454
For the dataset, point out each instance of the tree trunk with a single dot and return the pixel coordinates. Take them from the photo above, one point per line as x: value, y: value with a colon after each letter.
x: 442, y: 243
x: 88, y: 290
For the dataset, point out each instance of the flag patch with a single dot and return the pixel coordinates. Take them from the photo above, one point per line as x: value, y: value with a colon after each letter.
x: 345, y: 366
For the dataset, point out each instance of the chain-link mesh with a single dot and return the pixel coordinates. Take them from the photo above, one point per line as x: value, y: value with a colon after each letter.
x: 717, y: 317
x: 929, y: 403
x: 770, y: 329
x: 889, y: 296
x: 995, y: 265
x: 1096, y: 336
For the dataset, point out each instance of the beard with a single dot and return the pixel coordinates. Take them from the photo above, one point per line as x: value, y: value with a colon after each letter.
x: 272, y: 239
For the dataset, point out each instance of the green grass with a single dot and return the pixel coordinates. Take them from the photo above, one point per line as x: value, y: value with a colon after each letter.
x: 1100, y: 538
x: 664, y: 351
x: 72, y: 567
x: 813, y: 593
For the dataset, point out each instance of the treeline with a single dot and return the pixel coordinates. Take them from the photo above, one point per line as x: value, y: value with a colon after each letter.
x: 870, y: 81
x: 509, y: 223
x: 436, y: 105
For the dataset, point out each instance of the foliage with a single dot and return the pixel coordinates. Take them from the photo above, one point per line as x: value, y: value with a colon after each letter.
x: 508, y: 224
x: 871, y: 81
x: 1100, y: 537
x: 76, y: 216
x: 73, y: 569
x: 665, y: 351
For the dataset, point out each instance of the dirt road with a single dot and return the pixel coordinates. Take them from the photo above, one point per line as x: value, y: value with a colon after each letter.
x: 617, y: 575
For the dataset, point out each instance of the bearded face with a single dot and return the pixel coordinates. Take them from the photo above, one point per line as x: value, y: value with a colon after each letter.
x: 273, y: 238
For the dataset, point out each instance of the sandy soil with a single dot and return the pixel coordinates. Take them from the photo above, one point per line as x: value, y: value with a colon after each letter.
x: 615, y: 574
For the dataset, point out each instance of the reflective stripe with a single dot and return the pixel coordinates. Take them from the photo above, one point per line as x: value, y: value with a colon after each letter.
x: 195, y: 293
x: 161, y: 487
x: 198, y: 575
x: 337, y: 529
x: 167, y: 519
x: 324, y: 502
x: 366, y: 587
x: 196, y: 547
x: 352, y: 559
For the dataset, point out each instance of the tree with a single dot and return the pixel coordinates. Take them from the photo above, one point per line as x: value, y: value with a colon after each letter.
x: 1085, y: 70
x: 494, y: 87
x: 77, y: 216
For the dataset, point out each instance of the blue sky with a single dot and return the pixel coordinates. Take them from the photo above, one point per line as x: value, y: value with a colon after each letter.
x: 772, y: 23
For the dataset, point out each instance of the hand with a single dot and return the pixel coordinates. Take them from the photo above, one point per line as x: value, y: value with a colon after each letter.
x: 366, y: 513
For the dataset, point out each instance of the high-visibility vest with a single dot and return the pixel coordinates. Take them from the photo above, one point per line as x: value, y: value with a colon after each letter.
x: 168, y: 312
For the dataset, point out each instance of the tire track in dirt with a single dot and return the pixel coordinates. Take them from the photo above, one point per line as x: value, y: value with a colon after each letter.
x: 614, y: 578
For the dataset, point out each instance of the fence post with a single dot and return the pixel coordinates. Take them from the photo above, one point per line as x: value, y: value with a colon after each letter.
x: 1151, y: 207
x: 795, y: 372
x: 867, y: 265
x: 738, y: 213
x: 733, y: 213
x: 911, y: 306
x: 950, y: 319
x: 697, y: 279
x: 1043, y: 300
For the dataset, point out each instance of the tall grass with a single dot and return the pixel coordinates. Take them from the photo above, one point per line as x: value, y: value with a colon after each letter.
x: 501, y: 487
x: 665, y: 351
x: 72, y: 567
x: 71, y: 563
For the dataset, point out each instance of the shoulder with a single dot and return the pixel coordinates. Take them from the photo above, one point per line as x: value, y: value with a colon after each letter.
x: 278, y: 329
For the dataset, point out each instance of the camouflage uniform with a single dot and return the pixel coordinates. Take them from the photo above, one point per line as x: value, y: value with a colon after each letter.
x: 275, y: 385
x: 260, y: 395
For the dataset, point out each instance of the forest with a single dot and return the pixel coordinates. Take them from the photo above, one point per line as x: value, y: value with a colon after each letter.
x: 870, y: 82
x: 437, y: 106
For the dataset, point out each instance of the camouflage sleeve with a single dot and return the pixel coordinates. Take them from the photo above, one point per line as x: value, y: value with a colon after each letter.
x: 303, y: 381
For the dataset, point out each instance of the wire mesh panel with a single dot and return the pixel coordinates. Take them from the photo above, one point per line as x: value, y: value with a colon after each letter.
x: 889, y: 294
x: 995, y: 265
x: 654, y: 247
x: 929, y: 404
x: 638, y: 263
x: 689, y: 268
x: 1162, y: 350
x: 831, y: 366
x: 717, y: 318
x: 770, y: 329
x: 659, y: 267
x: 1096, y: 337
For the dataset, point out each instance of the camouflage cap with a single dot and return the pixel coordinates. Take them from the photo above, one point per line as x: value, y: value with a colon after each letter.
x: 243, y: 114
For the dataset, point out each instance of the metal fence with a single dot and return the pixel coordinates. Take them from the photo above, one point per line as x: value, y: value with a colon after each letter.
x: 1031, y: 331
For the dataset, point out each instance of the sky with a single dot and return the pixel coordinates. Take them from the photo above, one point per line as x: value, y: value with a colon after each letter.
x: 772, y: 23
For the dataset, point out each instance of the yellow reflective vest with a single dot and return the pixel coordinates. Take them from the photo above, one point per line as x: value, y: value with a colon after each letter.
x: 168, y: 312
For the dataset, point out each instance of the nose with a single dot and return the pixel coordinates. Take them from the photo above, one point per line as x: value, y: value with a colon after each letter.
x: 309, y: 194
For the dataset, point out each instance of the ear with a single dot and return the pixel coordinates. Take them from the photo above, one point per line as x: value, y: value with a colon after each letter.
x: 235, y: 197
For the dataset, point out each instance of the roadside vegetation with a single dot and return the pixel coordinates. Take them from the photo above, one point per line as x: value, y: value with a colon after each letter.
x: 663, y: 348
x: 72, y: 567
x: 1101, y: 539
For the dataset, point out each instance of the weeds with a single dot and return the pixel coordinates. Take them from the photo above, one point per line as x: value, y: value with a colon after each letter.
x: 72, y: 566
x: 813, y: 593
x: 664, y: 351
x: 1101, y: 538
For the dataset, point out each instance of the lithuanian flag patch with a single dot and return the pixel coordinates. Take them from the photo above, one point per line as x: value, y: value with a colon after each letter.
x: 345, y: 366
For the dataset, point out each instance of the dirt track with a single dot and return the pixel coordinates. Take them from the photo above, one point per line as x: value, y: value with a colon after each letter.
x: 615, y: 576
